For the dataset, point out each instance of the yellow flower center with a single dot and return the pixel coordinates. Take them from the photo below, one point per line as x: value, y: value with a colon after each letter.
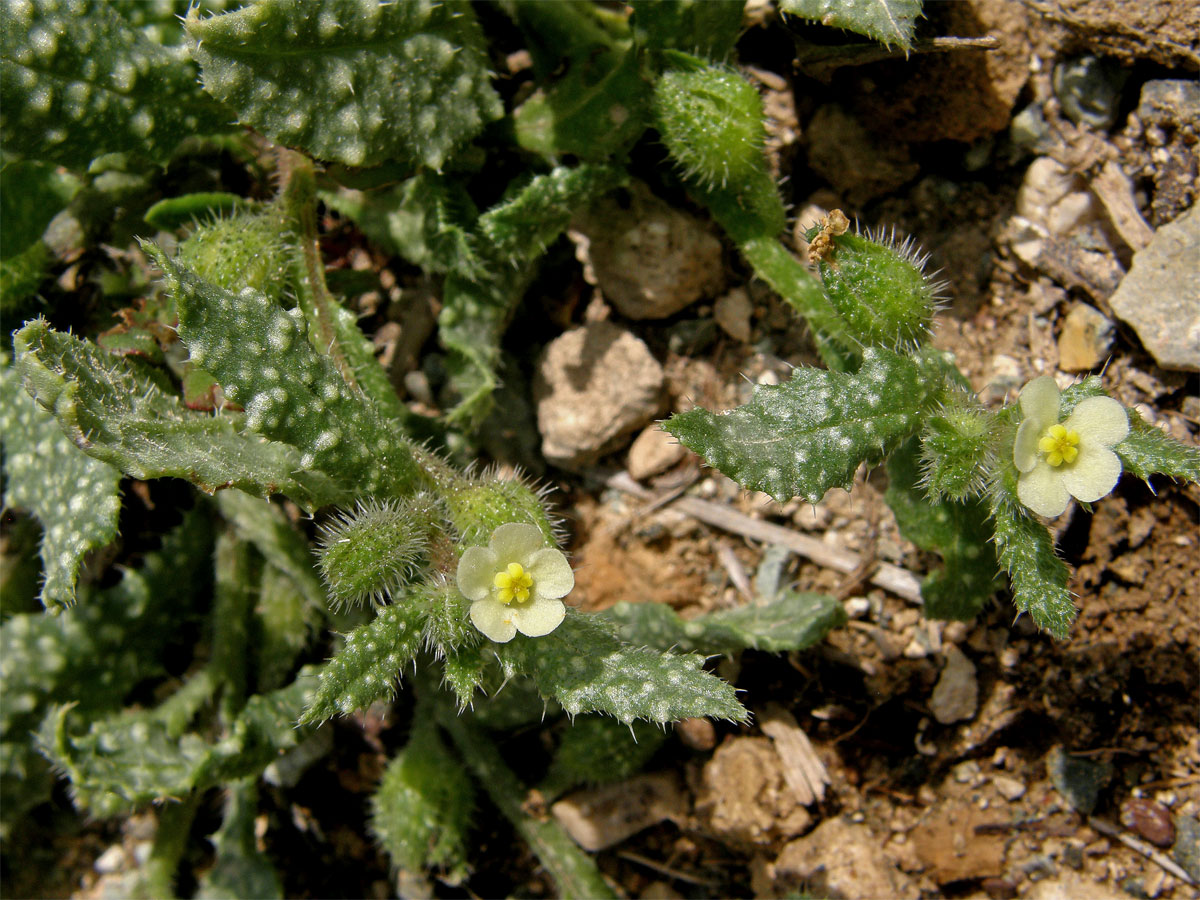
x: 513, y: 583
x: 1059, y: 445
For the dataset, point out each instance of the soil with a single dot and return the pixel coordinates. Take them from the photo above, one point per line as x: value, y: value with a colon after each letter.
x: 968, y: 808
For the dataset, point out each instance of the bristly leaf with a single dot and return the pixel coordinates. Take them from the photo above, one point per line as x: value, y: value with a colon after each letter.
x: 77, y: 81
x: 887, y: 21
x: 1039, y: 577
x: 1148, y: 451
x: 585, y: 667
x: 705, y: 28
x: 792, y: 621
x: 116, y: 412
x: 367, y: 668
x: 74, y: 496
x: 599, y: 750
x: 349, y: 81
x: 805, y: 436
x: 422, y: 811
x: 959, y: 531
x: 261, y: 356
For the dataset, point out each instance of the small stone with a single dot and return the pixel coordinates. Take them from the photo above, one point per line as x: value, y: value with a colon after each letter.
x: 1055, y: 198
x: 1160, y: 295
x: 1089, y: 89
x: 966, y: 772
x: 956, y: 694
x: 857, y: 607
x: 744, y: 797
x: 1150, y: 820
x: 649, y: 259
x: 111, y: 860
x: 839, y: 859
x: 1009, y: 788
x: 597, y: 818
x: 1170, y: 102
x: 653, y: 451
x: 697, y: 733
x: 732, y: 312
x: 593, y: 386
x: 1078, y: 779
x: 1187, y: 845
x: 1085, y: 339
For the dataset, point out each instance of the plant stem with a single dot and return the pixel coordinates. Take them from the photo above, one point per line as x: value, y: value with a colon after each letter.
x: 573, y: 871
x: 174, y: 825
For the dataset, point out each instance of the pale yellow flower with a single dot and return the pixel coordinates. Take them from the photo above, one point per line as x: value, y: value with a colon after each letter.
x: 1073, y: 458
x: 515, y: 583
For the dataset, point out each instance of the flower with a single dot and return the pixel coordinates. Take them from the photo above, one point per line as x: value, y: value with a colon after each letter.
x: 1060, y: 460
x: 515, y: 583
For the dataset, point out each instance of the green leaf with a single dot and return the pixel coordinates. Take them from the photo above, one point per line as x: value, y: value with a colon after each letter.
x: 422, y: 811
x: 597, y: 110
x: 75, y: 497
x: 286, y: 622
x: 21, y: 275
x: 31, y: 193
x: 791, y: 621
x: 584, y: 666
x: 240, y: 871
x: 805, y: 436
x: 599, y: 750
x: 1148, y: 451
x: 353, y: 82
x: 367, y: 668
x: 172, y: 212
x: 958, y: 531
x: 427, y: 219
x: 704, y: 28
x: 261, y: 356
x: 887, y: 21
x: 1039, y: 578
x: 77, y: 81
x: 116, y: 412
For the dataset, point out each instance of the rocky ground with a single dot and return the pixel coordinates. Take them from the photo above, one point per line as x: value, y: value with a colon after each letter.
x: 1053, y: 181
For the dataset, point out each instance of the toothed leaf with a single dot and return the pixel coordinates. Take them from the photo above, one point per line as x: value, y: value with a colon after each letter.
x: 887, y: 21
x: 358, y: 82
x: 368, y: 667
x: 117, y: 413
x: 584, y: 666
x: 75, y: 497
x: 422, y: 811
x: 958, y: 530
x: 1148, y: 451
x: 261, y: 356
x: 1039, y: 577
x: 77, y: 81
x: 792, y: 621
x: 809, y: 434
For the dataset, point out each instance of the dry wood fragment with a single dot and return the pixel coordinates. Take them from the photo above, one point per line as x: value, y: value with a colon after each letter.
x: 890, y: 577
x: 803, y: 770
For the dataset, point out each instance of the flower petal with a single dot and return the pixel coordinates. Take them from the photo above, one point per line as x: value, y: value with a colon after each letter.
x: 1094, y: 472
x: 539, y: 617
x: 516, y: 542
x: 1039, y: 407
x: 494, y: 619
x: 476, y: 570
x: 1042, y: 490
x: 1099, y: 420
x: 552, y: 575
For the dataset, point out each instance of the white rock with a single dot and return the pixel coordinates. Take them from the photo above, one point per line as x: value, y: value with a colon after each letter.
x: 732, y: 312
x: 1160, y: 295
x: 956, y: 694
x: 111, y: 860
x: 1009, y: 788
x: 593, y: 386
x: 653, y: 451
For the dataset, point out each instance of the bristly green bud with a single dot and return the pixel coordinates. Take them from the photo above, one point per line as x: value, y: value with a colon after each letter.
x: 712, y: 123
x: 478, y: 505
x: 372, y: 552
x: 239, y: 251
x: 955, y: 450
x: 879, y: 287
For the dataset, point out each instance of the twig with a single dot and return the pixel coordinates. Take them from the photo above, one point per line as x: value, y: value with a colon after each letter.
x: 1141, y: 847
x: 664, y: 870
x: 890, y: 577
x: 819, y: 61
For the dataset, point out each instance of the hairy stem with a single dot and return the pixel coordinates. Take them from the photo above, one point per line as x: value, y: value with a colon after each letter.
x: 573, y: 870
